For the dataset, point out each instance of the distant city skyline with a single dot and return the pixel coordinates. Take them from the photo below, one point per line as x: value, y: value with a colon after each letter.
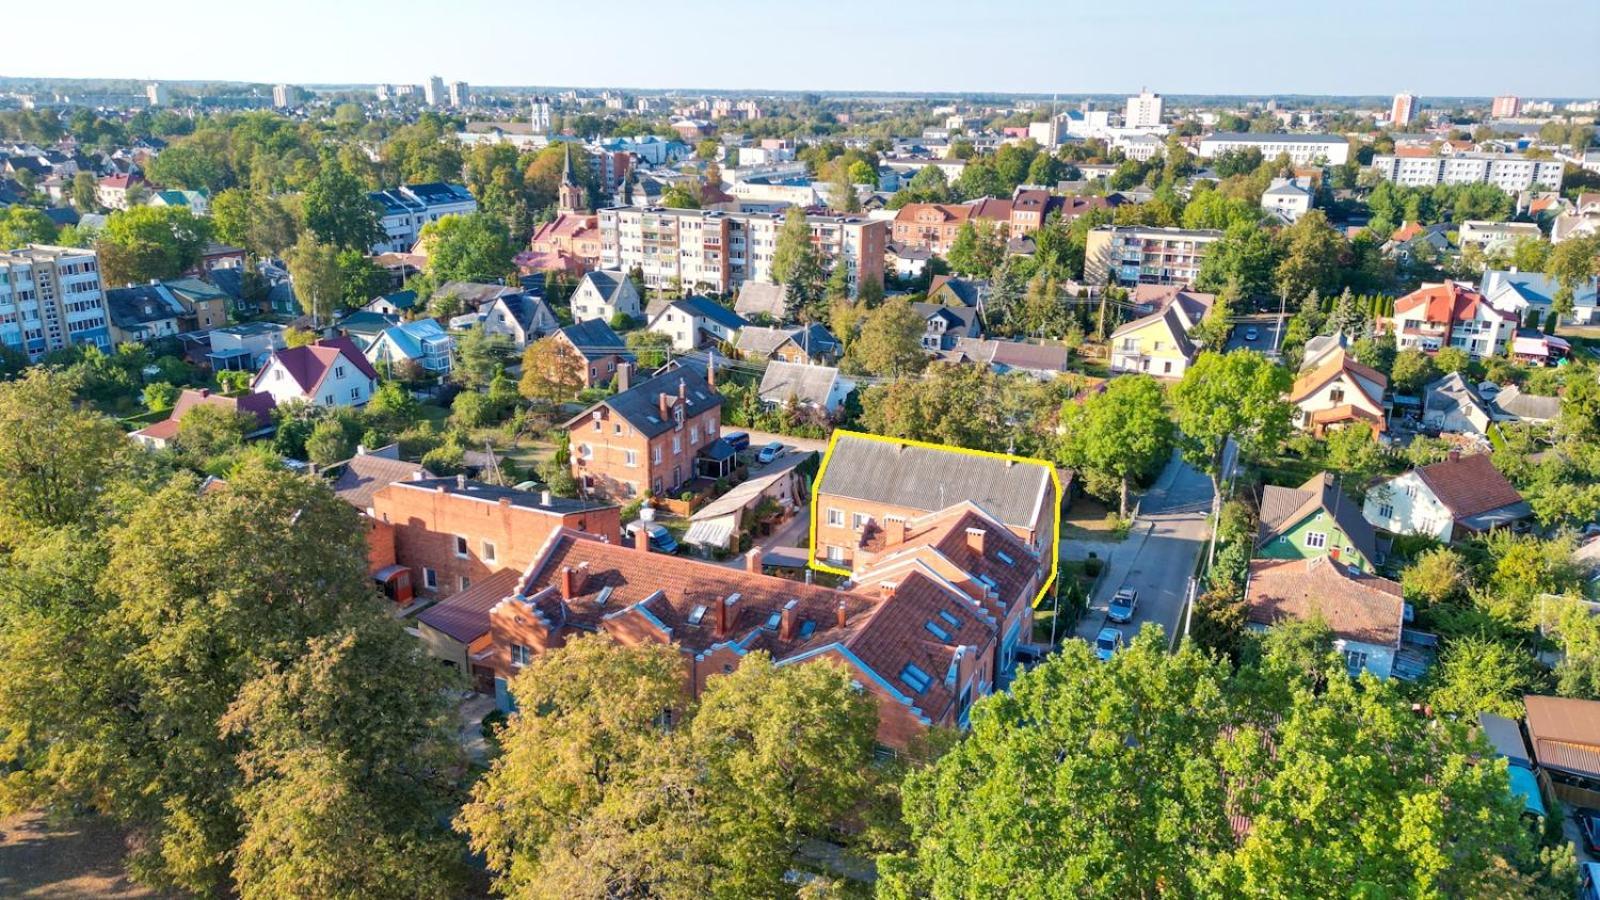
x: 1246, y: 47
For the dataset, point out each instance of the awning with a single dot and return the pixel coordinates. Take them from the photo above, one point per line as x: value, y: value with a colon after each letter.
x: 710, y: 532
x: 383, y: 575
x: 1523, y: 782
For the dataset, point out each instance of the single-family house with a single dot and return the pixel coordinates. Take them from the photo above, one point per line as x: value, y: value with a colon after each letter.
x: 760, y: 301
x: 521, y: 317
x: 1157, y: 344
x: 1518, y: 292
x: 1316, y: 519
x: 602, y: 294
x: 364, y: 327
x: 394, y: 303
x: 143, y: 313
x: 1492, y: 236
x: 1452, y: 404
x: 257, y: 406
x: 1511, y: 404
x: 947, y: 324
x: 1460, y: 496
x: 331, y: 372
x: 471, y: 295
x: 1565, y: 735
x: 599, y: 349
x: 810, y: 343
x: 205, y: 306
x: 1366, y: 613
x: 952, y: 291
x: 1317, y: 350
x: 1339, y: 393
x: 244, y: 347
x: 1451, y: 314
x: 818, y: 387
x: 422, y: 342
x: 1288, y: 198
x: 1038, y: 360
x: 649, y: 437
x: 696, y: 322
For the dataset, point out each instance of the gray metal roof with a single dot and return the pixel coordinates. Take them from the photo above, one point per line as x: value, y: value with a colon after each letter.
x: 882, y: 471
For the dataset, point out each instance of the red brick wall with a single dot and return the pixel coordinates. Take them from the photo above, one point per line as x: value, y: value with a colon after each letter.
x: 607, y: 470
x: 1037, y: 535
x: 426, y: 523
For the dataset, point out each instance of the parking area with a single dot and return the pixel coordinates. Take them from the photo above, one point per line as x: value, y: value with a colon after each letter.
x: 1263, y: 334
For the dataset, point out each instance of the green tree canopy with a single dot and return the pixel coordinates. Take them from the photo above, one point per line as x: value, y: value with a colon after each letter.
x: 150, y: 242
x: 1120, y: 434
x: 1238, y: 396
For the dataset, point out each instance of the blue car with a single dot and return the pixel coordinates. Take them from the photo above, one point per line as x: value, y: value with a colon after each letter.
x: 1123, y: 605
x: 1108, y: 643
x: 661, y: 540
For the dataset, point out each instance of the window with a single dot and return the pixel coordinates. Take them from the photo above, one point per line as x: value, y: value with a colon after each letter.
x: 355, y: 393
x: 1385, y: 511
x: 585, y: 451
x: 858, y: 521
x: 835, y: 516
x: 1336, y: 395
x: 835, y: 554
x: 677, y: 444
x: 1411, y: 489
x: 461, y: 546
x: 328, y: 399
x: 430, y: 579
x: 1355, y: 661
x: 630, y: 458
x: 520, y: 655
x: 1316, y: 539
x: 488, y: 551
x: 465, y: 582
x: 655, y: 454
x: 338, y: 371
x: 694, y: 434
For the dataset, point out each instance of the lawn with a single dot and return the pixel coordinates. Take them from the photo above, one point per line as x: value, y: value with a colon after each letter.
x: 1088, y: 519
x: 77, y: 858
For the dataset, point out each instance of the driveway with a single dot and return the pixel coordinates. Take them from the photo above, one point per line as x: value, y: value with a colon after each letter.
x: 1269, y: 334
x: 759, y: 439
x: 1159, y: 554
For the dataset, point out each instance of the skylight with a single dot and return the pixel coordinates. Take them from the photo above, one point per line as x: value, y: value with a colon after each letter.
x: 950, y: 617
x: 807, y: 628
x: 696, y: 614
x: 772, y: 620
x: 938, y: 631
x: 1004, y: 557
x: 915, y: 678
x: 605, y: 594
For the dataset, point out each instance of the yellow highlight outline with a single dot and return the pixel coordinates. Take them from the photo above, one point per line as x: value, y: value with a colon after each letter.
x: 827, y: 456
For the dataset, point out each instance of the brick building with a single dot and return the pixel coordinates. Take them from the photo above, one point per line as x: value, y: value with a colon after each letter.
x: 648, y: 437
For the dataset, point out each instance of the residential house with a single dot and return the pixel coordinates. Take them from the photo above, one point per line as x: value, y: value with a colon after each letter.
x: 602, y: 294
x: 947, y: 324
x: 472, y: 295
x: 1519, y: 292
x: 197, y: 202
x: 143, y: 313
x: 422, y: 343
x: 906, y: 261
x: 112, y: 190
x: 869, y: 479
x: 758, y: 299
x: 1288, y: 199
x: 1030, y: 207
x: 1451, y: 314
x: 1452, y: 404
x: 1039, y: 360
x: 602, y: 350
x: 276, y: 296
x: 1365, y: 612
x: 205, y: 306
x: 244, y: 347
x: 1158, y: 344
x: 1492, y: 236
x: 404, y: 210
x: 1565, y: 735
x: 356, y: 481
x: 570, y: 242
x: 521, y: 317
x: 1534, y: 347
x: 1321, y: 348
x: 1580, y: 221
x: 394, y: 303
x: 1315, y: 520
x: 1512, y: 405
x: 364, y: 327
x: 160, y: 435
x: 648, y: 438
x: 1460, y: 496
x: 696, y: 322
x: 813, y: 386
x: 799, y: 344
x: 1415, y: 241
x: 331, y: 372
x: 1340, y: 392
x: 1136, y: 254
x: 948, y: 290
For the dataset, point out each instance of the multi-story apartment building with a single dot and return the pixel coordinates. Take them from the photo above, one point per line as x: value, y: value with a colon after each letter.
x: 1451, y: 314
x: 646, y: 438
x: 1143, y: 111
x: 716, y: 252
x: 283, y: 95
x: 1302, y: 149
x: 1136, y: 254
x: 1507, y: 171
x: 433, y: 91
x: 51, y: 298
x: 1506, y: 107
x: 1402, y: 110
x: 407, y: 208
x: 460, y: 94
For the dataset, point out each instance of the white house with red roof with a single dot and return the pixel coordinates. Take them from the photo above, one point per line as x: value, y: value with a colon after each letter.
x: 331, y: 372
x: 1451, y: 314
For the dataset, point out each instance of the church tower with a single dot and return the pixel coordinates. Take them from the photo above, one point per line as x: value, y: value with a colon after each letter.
x: 571, y: 195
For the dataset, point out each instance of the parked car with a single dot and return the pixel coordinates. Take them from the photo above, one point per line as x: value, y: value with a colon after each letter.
x: 770, y: 452
x: 738, y: 440
x: 661, y: 540
x: 1589, y: 881
x: 1122, y: 605
x: 1250, y: 334
x: 1108, y: 643
x: 1589, y: 824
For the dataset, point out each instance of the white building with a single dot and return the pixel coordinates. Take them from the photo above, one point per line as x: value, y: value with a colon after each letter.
x: 1506, y: 107
x: 1287, y: 198
x: 156, y: 93
x: 433, y: 91
x: 1491, y: 236
x: 1403, y: 109
x: 282, y: 96
x: 540, y: 116
x: 602, y: 294
x: 696, y: 322
x: 1461, y: 495
x: 1144, y: 111
x: 50, y: 299
x: 460, y: 94
x: 818, y: 387
x: 332, y: 372
x: 1451, y: 314
x: 410, y: 206
x: 1302, y: 149
x: 1509, y: 172
x: 1142, y: 147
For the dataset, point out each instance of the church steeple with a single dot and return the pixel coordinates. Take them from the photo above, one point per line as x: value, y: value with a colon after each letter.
x: 570, y: 196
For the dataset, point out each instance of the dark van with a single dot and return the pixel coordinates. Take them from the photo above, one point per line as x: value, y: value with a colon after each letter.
x: 738, y: 440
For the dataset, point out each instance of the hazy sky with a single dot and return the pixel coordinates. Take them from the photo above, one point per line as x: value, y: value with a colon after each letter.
x: 1439, y: 47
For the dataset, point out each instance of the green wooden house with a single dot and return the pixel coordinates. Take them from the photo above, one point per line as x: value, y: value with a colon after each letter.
x: 1315, y: 519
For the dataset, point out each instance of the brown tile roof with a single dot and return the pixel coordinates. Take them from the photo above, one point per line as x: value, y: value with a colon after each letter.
x: 1337, y: 363
x: 946, y: 532
x: 1282, y: 508
x: 1357, y: 607
x: 1565, y: 733
x: 365, y: 474
x: 942, y: 212
x: 1469, y: 485
x: 465, y: 616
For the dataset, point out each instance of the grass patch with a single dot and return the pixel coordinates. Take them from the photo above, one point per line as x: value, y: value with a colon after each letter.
x: 1088, y: 519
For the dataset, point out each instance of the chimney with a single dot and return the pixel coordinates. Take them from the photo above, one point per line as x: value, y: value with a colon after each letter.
x: 624, y: 376
x: 544, y: 497
x: 683, y: 391
x: 786, y: 621
x: 975, y: 540
x: 885, y: 590
x: 752, y: 561
x: 894, y: 531
x: 206, y: 392
x: 838, y: 615
x: 663, y: 402
x: 711, y: 369
x: 569, y: 583
x: 461, y: 482
x: 725, y: 614
x: 1454, y: 455
x: 641, y: 537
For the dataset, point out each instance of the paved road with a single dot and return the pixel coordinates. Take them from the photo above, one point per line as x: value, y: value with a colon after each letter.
x: 1159, y: 554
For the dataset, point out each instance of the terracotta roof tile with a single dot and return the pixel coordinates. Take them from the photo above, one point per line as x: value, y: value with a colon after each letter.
x: 1357, y: 607
x: 1469, y: 485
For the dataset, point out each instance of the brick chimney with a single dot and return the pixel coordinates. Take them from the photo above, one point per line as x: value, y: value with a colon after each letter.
x: 838, y: 615
x: 683, y: 392
x: 205, y: 392
x: 624, y: 376
x: 1454, y: 455
x: 894, y: 531
x: 786, y: 621
x: 726, y: 614
x: 641, y: 537
x: 885, y: 590
x: 752, y: 561
x: 569, y: 583
x: 711, y: 370
x: 975, y: 538
x: 664, y: 404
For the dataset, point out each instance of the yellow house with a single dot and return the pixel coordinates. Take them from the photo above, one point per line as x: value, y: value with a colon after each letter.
x: 1157, y: 344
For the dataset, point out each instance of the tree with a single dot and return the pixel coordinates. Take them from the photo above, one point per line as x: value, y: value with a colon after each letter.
x: 552, y: 372
x: 651, y: 349
x: 315, y: 273
x: 1347, y: 317
x: 889, y: 342
x: 1413, y: 370
x: 360, y: 279
x: 22, y: 225
x: 1121, y: 434
x: 977, y: 249
x: 796, y: 265
x: 1478, y: 675
x: 338, y: 210
x: 206, y: 431
x: 679, y: 197
x: 150, y: 242
x: 1313, y: 251
x: 842, y: 193
x: 473, y: 247
x: 1246, y: 255
x: 85, y: 192
x: 480, y: 356
x: 1237, y: 396
x: 55, y: 458
x: 1573, y: 262
x: 329, y: 443
x: 256, y: 222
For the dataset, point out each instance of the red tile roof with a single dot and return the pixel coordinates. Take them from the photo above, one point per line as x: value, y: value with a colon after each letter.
x: 1357, y: 607
x: 309, y: 364
x: 1339, y: 363
x: 1469, y: 485
x: 1447, y: 303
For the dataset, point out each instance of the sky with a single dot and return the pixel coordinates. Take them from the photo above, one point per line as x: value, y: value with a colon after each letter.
x: 1360, y: 47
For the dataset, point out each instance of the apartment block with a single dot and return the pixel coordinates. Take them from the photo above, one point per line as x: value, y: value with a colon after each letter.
x: 1403, y: 110
x: 407, y: 208
x: 1302, y: 149
x: 1129, y: 255
x: 716, y: 252
x: 51, y: 298
x: 1509, y: 172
